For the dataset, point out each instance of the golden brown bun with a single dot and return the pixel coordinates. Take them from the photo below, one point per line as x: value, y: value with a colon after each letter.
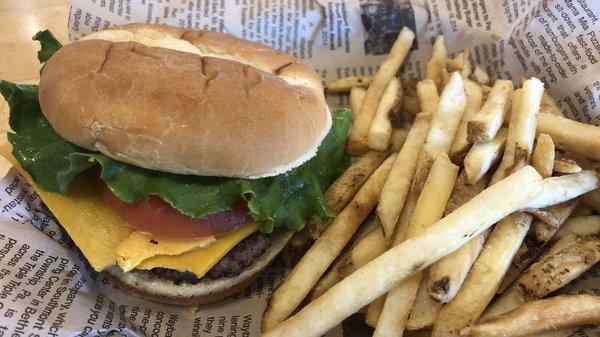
x: 154, y: 288
x: 185, y: 101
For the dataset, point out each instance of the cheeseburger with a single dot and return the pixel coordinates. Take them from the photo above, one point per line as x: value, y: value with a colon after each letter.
x: 179, y: 161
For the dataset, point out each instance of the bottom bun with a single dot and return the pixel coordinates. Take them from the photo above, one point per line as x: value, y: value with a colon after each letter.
x: 152, y: 287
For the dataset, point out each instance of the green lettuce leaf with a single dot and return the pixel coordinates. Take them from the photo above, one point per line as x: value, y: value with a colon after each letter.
x: 49, y: 45
x: 285, y: 200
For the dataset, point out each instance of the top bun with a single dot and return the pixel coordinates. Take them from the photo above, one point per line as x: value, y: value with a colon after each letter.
x: 185, y: 101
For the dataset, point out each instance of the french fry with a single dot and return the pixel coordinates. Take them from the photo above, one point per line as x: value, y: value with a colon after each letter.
x: 508, y: 156
x: 479, y: 75
x: 563, y: 332
x: 328, y: 246
x: 398, y: 139
x: 373, y: 311
x: 539, y: 316
x: 543, y: 155
x: 536, y: 240
x: 484, y: 125
x: 549, y: 274
x: 456, y: 63
x: 462, y: 63
x: 393, y: 195
x: 444, y: 124
x: 445, y: 77
x: 592, y: 198
x: 370, y: 246
x: 494, y: 260
x: 437, y: 62
x: 528, y: 112
x: 359, y: 132
x: 357, y: 95
x: 345, y: 84
x: 485, y: 276
x: 381, y: 127
x: 549, y: 105
x: 554, y: 216
x: 413, y: 255
x: 482, y: 156
x: 339, y: 194
x: 428, y: 96
x: 560, y: 189
x: 581, y: 225
x: 429, y: 209
x: 425, y: 309
x: 447, y: 275
x: 565, y: 166
x: 331, y: 278
x: 582, y: 210
x: 572, y: 136
x: 410, y: 104
x: 474, y: 101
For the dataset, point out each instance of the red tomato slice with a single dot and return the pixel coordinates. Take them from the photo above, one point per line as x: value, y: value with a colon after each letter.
x: 157, y: 217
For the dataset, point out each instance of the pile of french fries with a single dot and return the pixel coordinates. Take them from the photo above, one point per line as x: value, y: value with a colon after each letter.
x: 461, y: 223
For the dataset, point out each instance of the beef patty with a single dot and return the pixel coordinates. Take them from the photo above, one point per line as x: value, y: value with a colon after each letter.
x: 232, y: 264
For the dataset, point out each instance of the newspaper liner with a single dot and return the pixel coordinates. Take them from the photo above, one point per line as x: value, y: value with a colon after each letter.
x: 46, y: 288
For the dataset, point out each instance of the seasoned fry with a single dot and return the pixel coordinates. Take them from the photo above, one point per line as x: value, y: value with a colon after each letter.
x: 456, y: 63
x: 539, y: 316
x: 328, y: 246
x: 549, y: 105
x: 480, y: 76
x: 554, y: 216
x: 485, y: 276
x: 378, y: 276
x: 381, y: 128
x: 560, y: 189
x: 437, y: 62
x: 428, y: 96
x: 358, y: 138
x: 398, y: 139
x: 492, y: 264
x: 425, y: 309
x: 508, y: 156
x: 484, y: 125
x: 429, y: 209
x: 526, y: 127
x: 566, y: 166
x: 397, y: 185
x: 331, y: 278
x: 447, y: 275
x: 347, y: 83
x: 474, y: 101
x: 370, y: 246
x: 581, y: 225
x: 444, y: 124
x: 374, y: 311
x: 549, y: 274
x: 482, y: 156
x: 543, y: 155
x: 582, y: 210
x: 357, y: 95
x: 572, y: 136
x: 339, y: 194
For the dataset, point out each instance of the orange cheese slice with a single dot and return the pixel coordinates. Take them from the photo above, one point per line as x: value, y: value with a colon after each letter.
x: 98, y: 230
x: 140, y: 246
